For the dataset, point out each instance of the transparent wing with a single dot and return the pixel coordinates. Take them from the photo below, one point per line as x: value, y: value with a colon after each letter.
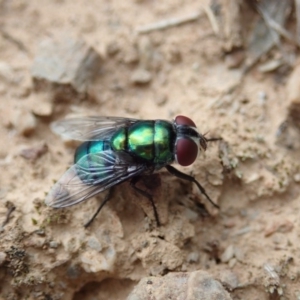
x: 90, y: 128
x: 91, y: 175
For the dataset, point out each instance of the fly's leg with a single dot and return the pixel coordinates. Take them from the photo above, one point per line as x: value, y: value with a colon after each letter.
x: 184, y: 176
x: 133, y: 183
x: 106, y: 199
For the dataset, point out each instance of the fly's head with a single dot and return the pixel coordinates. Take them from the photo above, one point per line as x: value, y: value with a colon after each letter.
x: 188, y: 141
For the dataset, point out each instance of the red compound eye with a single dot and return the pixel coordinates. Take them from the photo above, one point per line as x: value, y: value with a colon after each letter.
x: 186, y: 151
x: 182, y: 120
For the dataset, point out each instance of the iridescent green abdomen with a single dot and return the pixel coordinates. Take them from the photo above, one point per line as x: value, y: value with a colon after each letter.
x: 90, y: 147
x: 141, y: 140
x: 147, y: 141
x: 89, y: 163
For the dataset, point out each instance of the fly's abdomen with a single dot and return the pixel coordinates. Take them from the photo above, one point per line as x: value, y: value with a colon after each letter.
x: 141, y: 140
x: 148, y: 141
x: 90, y: 147
x: 137, y: 140
x: 86, y: 159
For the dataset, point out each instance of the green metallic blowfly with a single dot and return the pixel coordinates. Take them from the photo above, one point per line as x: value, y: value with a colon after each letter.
x: 117, y: 149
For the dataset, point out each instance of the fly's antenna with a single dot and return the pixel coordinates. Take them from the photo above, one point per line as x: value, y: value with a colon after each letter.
x: 214, y: 139
x: 211, y: 139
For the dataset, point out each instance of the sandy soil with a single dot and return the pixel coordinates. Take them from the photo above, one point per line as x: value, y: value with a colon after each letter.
x: 251, y: 245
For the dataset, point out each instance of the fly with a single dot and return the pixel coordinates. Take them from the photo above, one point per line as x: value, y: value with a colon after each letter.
x: 116, y: 149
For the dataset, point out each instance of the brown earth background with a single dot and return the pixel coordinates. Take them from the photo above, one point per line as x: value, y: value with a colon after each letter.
x: 219, y: 62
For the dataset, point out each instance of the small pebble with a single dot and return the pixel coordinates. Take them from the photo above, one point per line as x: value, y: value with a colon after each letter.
x: 228, y: 223
x: 34, y: 153
x: 228, y: 254
x: 43, y: 109
x: 229, y: 279
x: 191, y: 215
x: 293, y: 95
x: 270, y: 65
x: 25, y: 87
x: 113, y: 48
x: 65, y: 60
x: 2, y: 258
x: 93, y: 243
x: 251, y: 178
x: 232, y: 262
x: 53, y: 244
x: 6, y: 72
x: 198, y: 285
x: 141, y: 76
x: 193, y: 257
x: 234, y: 59
x: 239, y: 254
x: 297, y: 177
x: 24, y: 121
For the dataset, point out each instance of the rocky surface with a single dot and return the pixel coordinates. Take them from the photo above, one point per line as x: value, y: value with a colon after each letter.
x: 248, y: 249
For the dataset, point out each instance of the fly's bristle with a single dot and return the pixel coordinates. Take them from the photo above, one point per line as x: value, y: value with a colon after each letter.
x: 203, y: 142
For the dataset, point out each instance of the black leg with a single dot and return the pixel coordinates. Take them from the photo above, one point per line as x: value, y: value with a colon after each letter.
x: 10, y: 210
x: 184, y: 176
x: 133, y: 183
x: 107, y: 197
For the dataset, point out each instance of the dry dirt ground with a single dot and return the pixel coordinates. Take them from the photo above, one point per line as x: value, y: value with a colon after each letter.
x: 250, y: 245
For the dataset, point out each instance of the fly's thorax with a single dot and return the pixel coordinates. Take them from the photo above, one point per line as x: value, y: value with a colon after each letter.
x: 147, y: 141
x: 164, y: 139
